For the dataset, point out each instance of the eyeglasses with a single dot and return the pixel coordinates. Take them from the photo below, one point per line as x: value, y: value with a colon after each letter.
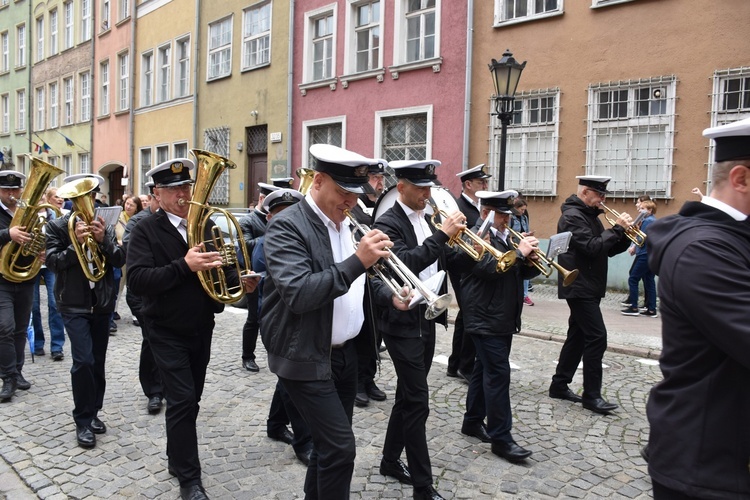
x: 174, y: 189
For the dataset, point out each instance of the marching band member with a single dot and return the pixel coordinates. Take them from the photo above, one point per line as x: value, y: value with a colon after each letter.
x: 493, y: 302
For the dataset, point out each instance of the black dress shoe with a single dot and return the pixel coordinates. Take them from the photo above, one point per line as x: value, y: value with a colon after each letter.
x: 476, y: 430
x: 510, y: 451
x: 375, y: 393
x: 567, y: 395
x: 644, y: 453
x: 57, y: 356
x: 397, y: 470
x: 194, y: 492
x: 463, y: 376
x: 361, y: 399
x: 250, y: 365
x: 304, y: 456
x: 154, y: 405
x: 9, y: 388
x: 112, y: 327
x: 451, y: 373
x: 22, y: 383
x: 85, y: 437
x: 427, y: 493
x: 598, y: 405
x: 284, y: 435
x: 135, y: 322
x: 97, y: 426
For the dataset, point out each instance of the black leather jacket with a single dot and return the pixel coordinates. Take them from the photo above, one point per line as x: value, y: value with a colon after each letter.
x: 73, y: 292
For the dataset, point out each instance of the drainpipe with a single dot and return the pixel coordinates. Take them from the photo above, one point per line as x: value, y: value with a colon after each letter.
x: 131, y: 104
x: 197, y: 30
x: 467, y: 90
x: 290, y: 91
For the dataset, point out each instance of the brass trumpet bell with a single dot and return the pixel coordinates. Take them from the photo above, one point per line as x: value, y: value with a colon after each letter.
x: 305, y: 179
x: 545, y: 264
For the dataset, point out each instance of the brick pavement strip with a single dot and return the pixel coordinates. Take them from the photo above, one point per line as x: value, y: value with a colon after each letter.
x: 577, y: 454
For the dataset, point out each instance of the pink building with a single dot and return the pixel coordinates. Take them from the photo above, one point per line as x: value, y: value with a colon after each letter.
x: 384, y: 78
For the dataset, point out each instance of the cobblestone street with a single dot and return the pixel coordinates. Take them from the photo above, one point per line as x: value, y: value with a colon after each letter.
x: 577, y: 454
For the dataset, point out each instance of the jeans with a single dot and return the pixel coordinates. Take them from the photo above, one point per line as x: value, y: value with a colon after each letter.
x: 56, y: 328
x: 641, y: 271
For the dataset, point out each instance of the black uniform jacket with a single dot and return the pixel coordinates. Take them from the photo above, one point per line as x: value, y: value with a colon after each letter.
x: 73, y: 292
x: 173, y: 296
x: 396, y: 224
x: 135, y: 219
x: 470, y: 211
x: 253, y: 226
x: 700, y: 413
x: 5, y: 220
x: 302, y: 281
x: 589, y: 250
x: 492, y: 301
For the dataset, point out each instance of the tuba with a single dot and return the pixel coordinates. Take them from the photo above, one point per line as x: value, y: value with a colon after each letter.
x: 209, y: 167
x: 19, y: 262
x: 305, y: 179
x: 90, y: 257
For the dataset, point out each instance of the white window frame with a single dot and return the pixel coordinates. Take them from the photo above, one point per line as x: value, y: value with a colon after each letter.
x: 85, y: 20
x: 105, y: 15
x: 69, y: 20
x: 147, y: 78
x: 161, y: 152
x: 182, y: 66
x: 391, y: 113
x: 5, y: 113
x: 164, y: 73
x: 68, y: 115
x: 4, y: 52
x: 104, y: 95
x: 21, y: 45
x: 532, y: 148
x: 85, y: 83
x: 352, y: 35
x: 309, y: 33
x: 123, y: 10
x: 219, y: 60
x: 612, y: 143
x: 256, y: 45
x: 502, y: 19
x: 39, y: 102
x: 39, y: 39
x: 54, y: 105
x: 20, y: 110
x: 145, y: 166
x: 67, y: 164
x: 308, y: 124
x: 400, y: 33
x: 84, y: 163
x: 180, y: 149
x: 605, y: 3
x: 54, y: 21
x: 123, y: 81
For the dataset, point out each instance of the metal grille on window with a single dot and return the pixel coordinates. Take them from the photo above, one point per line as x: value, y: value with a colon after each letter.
x: 257, y: 139
x: 330, y: 133
x: 630, y: 135
x: 404, y: 138
x: 216, y: 140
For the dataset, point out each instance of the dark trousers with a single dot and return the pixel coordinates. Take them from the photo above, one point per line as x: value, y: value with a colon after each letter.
x: 250, y: 330
x: 661, y: 492
x: 463, y: 351
x: 327, y: 407
x: 15, y: 311
x: 148, y: 372
x: 641, y: 271
x: 587, y: 340
x: 412, y: 358
x: 489, y: 387
x: 89, y: 337
x: 283, y: 411
x: 182, y: 362
x: 56, y: 327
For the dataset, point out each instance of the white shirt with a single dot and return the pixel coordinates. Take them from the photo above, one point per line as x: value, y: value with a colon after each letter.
x: 477, y: 203
x: 348, y: 309
x: 720, y: 205
x: 422, y: 230
x: 177, y: 222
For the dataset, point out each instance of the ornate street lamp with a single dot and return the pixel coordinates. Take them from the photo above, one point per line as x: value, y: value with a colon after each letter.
x: 505, y: 75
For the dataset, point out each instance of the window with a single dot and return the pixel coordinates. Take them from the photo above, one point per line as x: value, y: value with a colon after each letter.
x: 105, y: 15
x: 84, y: 163
x: 323, y: 133
x: 21, y: 163
x: 123, y: 10
x: 145, y: 161
x: 420, y: 30
x: 322, y: 47
x: 67, y: 164
x: 147, y: 78
x: 20, y: 110
x: 5, y: 54
x: 630, y: 135
x: 21, y: 45
x: 164, y: 76
x: 514, y: 10
x: 216, y: 140
x: 67, y: 117
x: 220, y: 48
x: 180, y: 150
x: 366, y: 36
x: 85, y: 96
x: 162, y: 154
x: 53, y: 105
x: 53, y: 32
x: 598, y: 3
x: 52, y: 160
x: 532, y: 143
x: 85, y: 20
x: 5, y: 117
x: 405, y: 134
x: 183, y: 67
x: 104, y: 88
x: 123, y: 82
x: 39, y: 39
x: 730, y: 102
x: 256, y: 36
x: 39, y: 117
x: 68, y: 14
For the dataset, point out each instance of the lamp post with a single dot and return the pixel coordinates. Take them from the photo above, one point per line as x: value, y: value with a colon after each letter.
x: 505, y: 75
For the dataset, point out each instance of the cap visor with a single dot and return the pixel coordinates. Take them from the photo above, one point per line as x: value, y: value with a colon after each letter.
x: 357, y: 188
x: 179, y: 183
x: 419, y: 182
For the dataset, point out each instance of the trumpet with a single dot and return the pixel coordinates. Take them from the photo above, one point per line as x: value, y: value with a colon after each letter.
x: 504, y: 260
x: 436, y: 305
x: 544, y: 264
x: 634, y: 234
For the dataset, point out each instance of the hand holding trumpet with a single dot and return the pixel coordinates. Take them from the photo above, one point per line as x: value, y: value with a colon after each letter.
x: 373, y: 246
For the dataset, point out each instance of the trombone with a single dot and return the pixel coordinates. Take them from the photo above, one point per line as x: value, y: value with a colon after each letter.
x: 544, y: 264
x: 436, y: 305
x: 504, y: 260
x: 634, y: 234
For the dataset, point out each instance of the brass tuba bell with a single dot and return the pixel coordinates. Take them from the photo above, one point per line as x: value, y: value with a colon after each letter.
x: 305, y: 179
x: 19, y: 262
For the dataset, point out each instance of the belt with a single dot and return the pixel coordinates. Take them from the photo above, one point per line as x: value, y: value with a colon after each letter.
x: 340, y: 346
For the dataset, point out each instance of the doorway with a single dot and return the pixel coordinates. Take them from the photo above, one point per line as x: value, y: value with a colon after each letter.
x: 257, y: 161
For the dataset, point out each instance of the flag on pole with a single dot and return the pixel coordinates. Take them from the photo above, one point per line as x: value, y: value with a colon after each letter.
x: 45, y: 148
x: 68, y: 141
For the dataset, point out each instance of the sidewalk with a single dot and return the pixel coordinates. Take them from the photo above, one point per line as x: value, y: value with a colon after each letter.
x: 577, y: 454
